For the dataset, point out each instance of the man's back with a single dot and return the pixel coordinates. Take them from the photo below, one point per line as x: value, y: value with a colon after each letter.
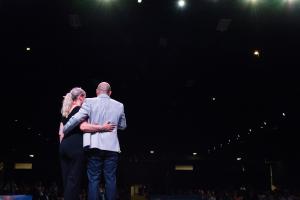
x: 103, y: 109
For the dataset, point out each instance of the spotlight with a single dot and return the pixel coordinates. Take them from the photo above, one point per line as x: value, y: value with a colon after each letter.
x: 253, y: 1
x: 181, y: 3
x: 290, y: 1
x: 256, y: 53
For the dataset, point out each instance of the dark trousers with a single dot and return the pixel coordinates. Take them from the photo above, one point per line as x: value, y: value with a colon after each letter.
x: 99, y: 162
x: 72, y: 166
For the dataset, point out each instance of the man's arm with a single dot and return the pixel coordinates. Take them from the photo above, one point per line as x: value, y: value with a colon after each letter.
x: 76, y: 119
x: 122, y: 121
x: 92, y: 128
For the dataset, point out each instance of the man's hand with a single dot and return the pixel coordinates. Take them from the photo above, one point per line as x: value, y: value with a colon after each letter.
x: 107, y: 127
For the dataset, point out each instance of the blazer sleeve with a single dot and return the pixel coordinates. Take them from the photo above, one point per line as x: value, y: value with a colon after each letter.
x: 79, y: 117
x: 122, y: 120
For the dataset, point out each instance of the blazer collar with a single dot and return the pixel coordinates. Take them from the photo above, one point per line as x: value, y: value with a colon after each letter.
x: 103, y: 96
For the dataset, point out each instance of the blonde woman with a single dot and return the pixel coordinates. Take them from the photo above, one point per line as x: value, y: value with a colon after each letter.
x: 71, y: 144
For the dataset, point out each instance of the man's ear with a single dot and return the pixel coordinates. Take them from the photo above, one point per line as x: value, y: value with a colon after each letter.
x: 97, y: 92
x: 109, y: 93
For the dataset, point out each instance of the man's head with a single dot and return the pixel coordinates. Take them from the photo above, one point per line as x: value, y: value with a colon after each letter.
x: 103, y: 88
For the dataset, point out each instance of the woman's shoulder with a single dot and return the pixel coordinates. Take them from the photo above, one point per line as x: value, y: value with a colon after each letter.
x: 76, y: 109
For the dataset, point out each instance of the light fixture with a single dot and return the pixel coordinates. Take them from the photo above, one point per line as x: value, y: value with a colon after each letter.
x: 181, y: 3
x: 256, y: 53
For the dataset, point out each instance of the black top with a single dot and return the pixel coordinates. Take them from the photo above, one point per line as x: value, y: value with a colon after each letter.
x: 64, y: 120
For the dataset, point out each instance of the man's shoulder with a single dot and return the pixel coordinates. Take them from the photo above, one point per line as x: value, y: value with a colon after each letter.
x: 91, y: 99
x: 116, y: 102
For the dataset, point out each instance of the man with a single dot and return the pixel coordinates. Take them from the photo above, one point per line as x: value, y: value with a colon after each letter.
x: 103, y: 148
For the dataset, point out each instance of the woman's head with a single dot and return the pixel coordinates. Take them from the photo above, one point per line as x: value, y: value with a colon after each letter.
x: 75, y: 96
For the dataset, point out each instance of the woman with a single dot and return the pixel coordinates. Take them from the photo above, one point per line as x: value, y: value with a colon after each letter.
x: 71, y: 144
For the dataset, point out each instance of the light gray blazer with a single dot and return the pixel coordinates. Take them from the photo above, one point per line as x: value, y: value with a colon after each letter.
x: 99, y: 110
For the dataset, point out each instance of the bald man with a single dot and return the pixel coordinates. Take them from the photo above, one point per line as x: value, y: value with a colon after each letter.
x: 103, y: 148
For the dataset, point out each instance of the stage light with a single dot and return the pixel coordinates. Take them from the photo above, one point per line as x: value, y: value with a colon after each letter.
x: 152, y: 152
x: 23, y: 166
x: 181, y: 3
x: 243, y: 169
x: 213, y: 98
x: 184, y: 167
x: 28, y: 48
x: 139, y: 1
x: 283, y: 114
x: 31, y: 156
x: 194, y: 153
x: 290, y: 1
x: 107, y: 2
x: 253, y: 1
x: 256, y: 53
x: 239, y: 158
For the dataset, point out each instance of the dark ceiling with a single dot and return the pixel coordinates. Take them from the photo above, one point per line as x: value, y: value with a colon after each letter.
x: 187, y: 76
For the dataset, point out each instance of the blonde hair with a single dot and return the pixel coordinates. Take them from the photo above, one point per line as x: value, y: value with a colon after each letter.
x: 69, y: 98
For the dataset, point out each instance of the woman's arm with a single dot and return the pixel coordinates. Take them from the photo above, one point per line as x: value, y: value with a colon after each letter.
x: 92, y: 128
x: 60, y: 132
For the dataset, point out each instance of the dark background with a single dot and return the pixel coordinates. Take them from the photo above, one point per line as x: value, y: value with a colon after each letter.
x: 166, y: 64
